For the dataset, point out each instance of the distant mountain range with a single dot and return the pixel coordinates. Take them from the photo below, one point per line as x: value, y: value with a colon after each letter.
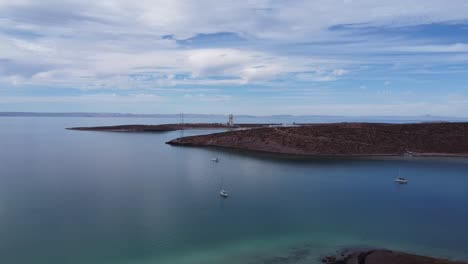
x: 280, y: 118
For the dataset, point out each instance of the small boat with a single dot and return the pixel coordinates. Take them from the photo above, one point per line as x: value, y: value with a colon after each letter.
x: 401, y: 180
x: 215, y: 159
x: 223, y: 193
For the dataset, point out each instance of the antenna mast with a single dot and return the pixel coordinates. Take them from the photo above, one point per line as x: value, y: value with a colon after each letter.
x: 231, y: 120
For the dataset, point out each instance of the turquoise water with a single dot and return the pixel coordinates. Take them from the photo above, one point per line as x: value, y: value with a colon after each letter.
x: 101, y: 197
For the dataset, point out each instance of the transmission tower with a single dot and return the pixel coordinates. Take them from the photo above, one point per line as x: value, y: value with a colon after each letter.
x: 181, y: 116
x: 231, y: 120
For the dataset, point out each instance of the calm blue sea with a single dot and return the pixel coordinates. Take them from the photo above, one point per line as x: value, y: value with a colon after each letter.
x: 81, y: 197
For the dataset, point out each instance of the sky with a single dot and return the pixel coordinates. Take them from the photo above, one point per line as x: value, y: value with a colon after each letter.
x: 258, y: 57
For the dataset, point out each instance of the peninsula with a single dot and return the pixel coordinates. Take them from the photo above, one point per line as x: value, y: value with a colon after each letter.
x: 344, y: 139
x: 167, y: 127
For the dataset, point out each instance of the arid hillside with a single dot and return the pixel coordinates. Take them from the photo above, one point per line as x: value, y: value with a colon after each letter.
x: 345, y: 139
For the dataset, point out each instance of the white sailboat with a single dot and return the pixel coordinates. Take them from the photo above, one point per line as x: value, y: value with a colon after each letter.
x: 400, y: 179
x: 224, y: 194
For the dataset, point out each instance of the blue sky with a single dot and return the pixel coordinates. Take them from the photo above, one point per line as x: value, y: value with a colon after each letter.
x: 301, y: 57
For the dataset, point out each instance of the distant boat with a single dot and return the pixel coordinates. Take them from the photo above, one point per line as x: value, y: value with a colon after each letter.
x: 215, y: 159
x: 223, y: 193
x: 401, y: 180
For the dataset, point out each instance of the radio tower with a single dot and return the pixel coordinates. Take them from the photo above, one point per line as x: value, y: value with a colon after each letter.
x: 181, y: 115
x: 231, y: 120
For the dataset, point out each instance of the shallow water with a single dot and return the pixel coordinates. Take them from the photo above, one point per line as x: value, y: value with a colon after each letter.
x: 103, y: 197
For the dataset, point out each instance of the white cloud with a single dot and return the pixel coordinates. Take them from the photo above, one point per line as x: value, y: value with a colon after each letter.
x: 211, y: 62
x: 100, y: 43
x: 321, y: 74
x: 246, y: 66
x: 457, y: 47
x: 97, y: 98
x: 200, y: 97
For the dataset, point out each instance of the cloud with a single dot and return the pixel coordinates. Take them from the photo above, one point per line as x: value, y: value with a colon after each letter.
x: 163, y: 45
x: 210, y: 62
x: 448, y: 48
x: 96, y: 98
x: 104, y: 40
x: 246, y: 66
x: 321, y: 74
x: 200, y: 97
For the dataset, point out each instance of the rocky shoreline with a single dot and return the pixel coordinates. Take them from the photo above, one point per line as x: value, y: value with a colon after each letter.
x: 344, y: 139
x: 382, y: 256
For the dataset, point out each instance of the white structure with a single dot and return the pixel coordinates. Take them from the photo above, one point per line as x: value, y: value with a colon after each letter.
x: 231, y: 120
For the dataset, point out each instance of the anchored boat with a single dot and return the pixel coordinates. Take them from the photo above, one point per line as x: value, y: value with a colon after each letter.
x: 401, y: 180
x: 224, y: 194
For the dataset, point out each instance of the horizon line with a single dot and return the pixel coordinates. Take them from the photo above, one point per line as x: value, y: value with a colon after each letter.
x: 26, y: 113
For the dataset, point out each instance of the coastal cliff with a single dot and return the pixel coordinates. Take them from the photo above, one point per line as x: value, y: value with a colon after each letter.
x: 344, y: 139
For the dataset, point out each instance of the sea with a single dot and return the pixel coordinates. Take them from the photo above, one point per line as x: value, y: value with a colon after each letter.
x: 84, y: 197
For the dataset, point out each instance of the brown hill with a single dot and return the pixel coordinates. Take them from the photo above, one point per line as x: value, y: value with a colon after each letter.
x: 346, y: 139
